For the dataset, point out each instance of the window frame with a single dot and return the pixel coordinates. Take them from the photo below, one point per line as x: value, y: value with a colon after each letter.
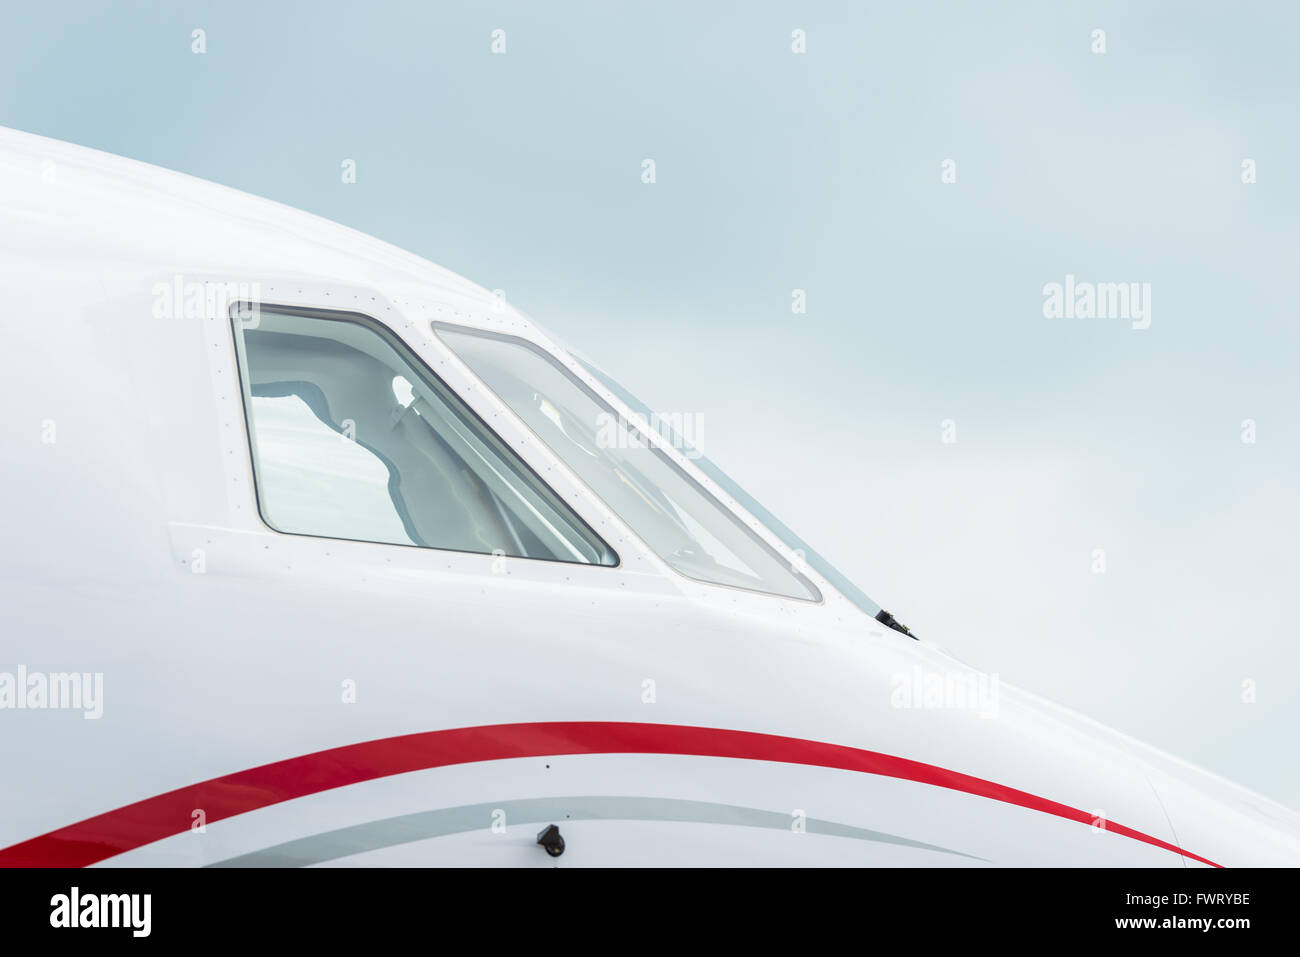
x: 472, y: 418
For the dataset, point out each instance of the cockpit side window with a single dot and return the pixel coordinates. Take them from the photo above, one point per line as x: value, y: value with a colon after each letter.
x: 353, y: 437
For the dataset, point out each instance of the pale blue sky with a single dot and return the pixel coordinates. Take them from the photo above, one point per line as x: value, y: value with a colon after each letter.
x: 822, y: 172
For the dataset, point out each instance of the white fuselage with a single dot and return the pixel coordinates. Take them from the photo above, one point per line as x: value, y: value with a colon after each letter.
x: 271, y: 698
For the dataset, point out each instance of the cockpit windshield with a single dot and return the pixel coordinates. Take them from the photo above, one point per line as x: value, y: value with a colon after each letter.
x: 792, y: 541
x: 618, y: 458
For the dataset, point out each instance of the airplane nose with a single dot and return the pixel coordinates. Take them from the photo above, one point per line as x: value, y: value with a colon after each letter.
x: 1234, y: 826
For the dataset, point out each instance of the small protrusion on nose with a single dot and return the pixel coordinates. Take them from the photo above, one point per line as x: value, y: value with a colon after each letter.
x: 550, y: 839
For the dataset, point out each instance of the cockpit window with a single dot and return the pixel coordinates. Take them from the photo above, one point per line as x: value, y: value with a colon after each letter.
x: 619, y: 459
x: 815, y: 560
x: 354, y: 438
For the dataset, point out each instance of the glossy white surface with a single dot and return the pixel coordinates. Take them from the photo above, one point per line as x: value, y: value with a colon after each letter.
x: 208, y: 674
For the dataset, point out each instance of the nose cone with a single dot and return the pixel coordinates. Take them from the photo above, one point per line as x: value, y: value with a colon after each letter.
x: 1226, y: 823
x: 1046, y: 749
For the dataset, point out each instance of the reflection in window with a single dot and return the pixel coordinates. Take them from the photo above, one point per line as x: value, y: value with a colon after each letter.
x: 815, y: 560
x: 316, y: 481
x: 685, y: 525
x: 353, y: 438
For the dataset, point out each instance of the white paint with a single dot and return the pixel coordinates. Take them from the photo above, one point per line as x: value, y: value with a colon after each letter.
x: 208, y: 674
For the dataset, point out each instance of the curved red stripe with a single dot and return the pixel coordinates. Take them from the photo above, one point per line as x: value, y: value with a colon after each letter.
x: 152, y: 819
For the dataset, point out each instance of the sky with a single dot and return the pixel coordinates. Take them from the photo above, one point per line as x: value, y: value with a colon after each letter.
x: 957, y: 452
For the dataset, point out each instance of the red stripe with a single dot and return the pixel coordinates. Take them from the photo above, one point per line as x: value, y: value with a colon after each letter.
x: 152, y: 819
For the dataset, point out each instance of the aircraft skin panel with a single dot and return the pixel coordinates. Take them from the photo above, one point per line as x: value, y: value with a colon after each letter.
x: 367, y: 840
x: 135, y: 550
x: 878, y: 820
x: 127, y: 828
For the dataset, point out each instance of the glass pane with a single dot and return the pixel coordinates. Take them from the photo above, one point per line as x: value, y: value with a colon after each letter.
x: 353, y: 438
x: 815, y: 560
x: 686, y: 526
x: 314, y: 481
